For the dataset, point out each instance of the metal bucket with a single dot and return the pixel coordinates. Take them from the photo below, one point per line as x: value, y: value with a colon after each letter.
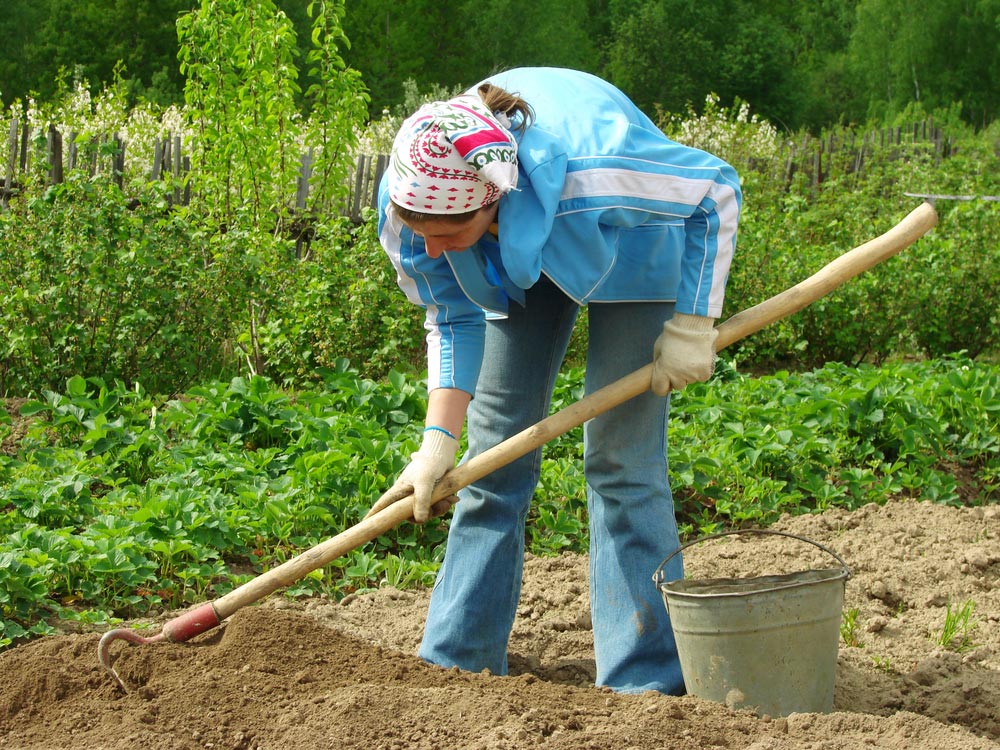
x: 767, y: 643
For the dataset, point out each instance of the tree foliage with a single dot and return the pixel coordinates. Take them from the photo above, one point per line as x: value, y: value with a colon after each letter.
x: 665, y: 51
x: 799, y: 64
x: 337, y: 101
x: 241, y: 83
x: 453, y: 44
x: 948, y: 52
x: 87, y: 38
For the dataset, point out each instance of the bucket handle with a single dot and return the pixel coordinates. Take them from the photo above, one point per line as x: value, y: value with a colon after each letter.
x: 658, y: 575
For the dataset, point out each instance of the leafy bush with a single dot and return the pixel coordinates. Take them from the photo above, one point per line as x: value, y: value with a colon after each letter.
x: 140, y: 293
x: 221, y: 296
x: 933, y: 299
x: 98, y: 287
x: 339, y: 302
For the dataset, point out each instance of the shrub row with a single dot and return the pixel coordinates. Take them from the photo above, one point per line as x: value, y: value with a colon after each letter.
x: 140, y: 292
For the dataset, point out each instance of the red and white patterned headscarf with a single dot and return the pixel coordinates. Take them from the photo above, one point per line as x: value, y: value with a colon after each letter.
x: 452, y: 157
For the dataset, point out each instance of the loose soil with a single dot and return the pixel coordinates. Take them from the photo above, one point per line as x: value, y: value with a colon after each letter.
x: 297, y: 675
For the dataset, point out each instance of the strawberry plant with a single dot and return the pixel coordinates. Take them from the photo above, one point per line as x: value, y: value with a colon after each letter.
x: 116, y: 504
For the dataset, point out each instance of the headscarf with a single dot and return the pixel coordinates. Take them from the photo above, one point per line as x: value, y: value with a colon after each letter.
x: 452, y: 157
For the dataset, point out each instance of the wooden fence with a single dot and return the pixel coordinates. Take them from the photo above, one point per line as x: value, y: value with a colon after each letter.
x: 813, y: 156
x: 108, y: 156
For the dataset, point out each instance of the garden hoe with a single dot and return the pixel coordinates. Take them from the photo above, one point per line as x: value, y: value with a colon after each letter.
x: 206, y: 616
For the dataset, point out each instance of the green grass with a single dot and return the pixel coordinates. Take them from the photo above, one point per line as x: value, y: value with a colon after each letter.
x: 959, y: 624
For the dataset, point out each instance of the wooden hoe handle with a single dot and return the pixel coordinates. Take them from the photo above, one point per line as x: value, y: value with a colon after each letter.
x: 917, y: 223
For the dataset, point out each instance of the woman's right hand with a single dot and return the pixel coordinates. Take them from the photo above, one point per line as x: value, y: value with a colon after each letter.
x: 432, y: 461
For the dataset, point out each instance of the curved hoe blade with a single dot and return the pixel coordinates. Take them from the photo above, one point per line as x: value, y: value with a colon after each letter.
x: 124, y: 634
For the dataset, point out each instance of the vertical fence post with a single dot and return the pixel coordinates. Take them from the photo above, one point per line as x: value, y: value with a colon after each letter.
x: 177, y: 167
x: 158, y: 148
x: 380, y: 167
x: 118, y: 161
x: 302, y: 183
x: 790, y: 163
x: 303, y: 232
x: 818, y: 164
x: 167, y: 155
x: 359, y: 181
x: 55, y: 152
x: 366, y: 187
x: 71, y: 158
x: 25, y: 159
x: 859, y: 154
x: 8, y: 180
x: 95, y: 146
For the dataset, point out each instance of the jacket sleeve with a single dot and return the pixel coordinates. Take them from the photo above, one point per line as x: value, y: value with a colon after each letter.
x: 709, y: 244
x: 455, y: 326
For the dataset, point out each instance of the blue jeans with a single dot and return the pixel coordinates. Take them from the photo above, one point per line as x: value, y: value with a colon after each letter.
x: 632, y: 525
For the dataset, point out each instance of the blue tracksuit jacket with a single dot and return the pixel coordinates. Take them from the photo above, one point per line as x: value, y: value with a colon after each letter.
x: 606, y: 206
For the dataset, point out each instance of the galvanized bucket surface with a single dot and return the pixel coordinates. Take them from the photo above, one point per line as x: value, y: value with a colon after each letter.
x: 767, y: 643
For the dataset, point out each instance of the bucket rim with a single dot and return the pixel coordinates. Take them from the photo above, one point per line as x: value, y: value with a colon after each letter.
x: 783, y: 582
x: 658, y: 575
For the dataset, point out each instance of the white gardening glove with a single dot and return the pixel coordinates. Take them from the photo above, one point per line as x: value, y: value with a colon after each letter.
x: 684, y: 353
x: 434, y: 459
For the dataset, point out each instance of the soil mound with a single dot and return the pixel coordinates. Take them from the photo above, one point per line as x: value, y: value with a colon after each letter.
x: 292, y: 675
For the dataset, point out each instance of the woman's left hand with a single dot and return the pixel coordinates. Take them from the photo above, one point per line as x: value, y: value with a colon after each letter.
x: 399, y: 491
x: 684, y: 353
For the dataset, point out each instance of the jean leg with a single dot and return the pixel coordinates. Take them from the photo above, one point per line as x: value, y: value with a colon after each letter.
x: 632, y: 524
x: 475, y: 597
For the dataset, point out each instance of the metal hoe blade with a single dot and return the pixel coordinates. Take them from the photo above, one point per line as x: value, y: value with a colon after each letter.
x: 931, y: 197
x: 130, y: 636
x: 198, y: 620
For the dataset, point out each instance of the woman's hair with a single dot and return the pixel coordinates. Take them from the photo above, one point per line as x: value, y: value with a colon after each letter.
x: 498, y: 100
x: 501, y: 100
x: 409, y: 216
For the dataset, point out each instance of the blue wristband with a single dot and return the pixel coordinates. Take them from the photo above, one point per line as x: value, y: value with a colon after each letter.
x: 440, y: 429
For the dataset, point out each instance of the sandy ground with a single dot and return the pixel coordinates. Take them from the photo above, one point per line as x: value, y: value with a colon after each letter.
x: 307, y: 674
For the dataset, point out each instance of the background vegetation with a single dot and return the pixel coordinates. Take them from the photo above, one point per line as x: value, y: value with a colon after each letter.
x: 194, y: 395
x: 802, y: 65
x: 117, y: 282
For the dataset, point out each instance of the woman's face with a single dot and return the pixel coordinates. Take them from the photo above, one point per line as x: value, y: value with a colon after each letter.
x: 447, y: 235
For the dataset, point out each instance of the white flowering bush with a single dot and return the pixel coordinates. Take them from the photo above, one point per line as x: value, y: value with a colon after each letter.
x: 376, y: 136
x: 82, y: 115
x: 89, y: 124
x: 146, y: 126
x: 741, y: 139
